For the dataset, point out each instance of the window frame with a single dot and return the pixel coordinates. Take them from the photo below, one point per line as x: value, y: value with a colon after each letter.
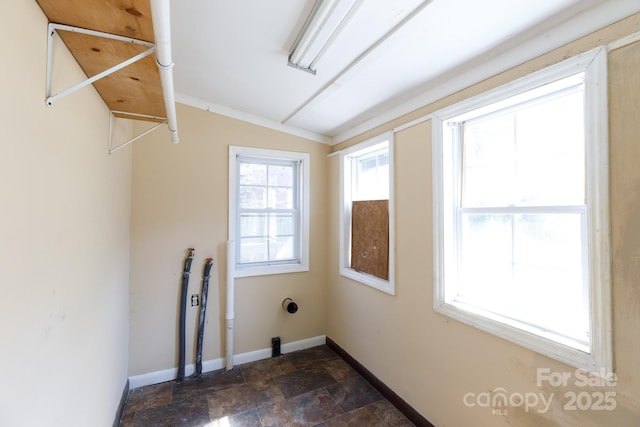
x: 269, y: 156
x: 599, y: 357
x: 346, y: 182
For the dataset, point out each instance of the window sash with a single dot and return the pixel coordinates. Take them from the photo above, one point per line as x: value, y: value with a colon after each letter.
x: 268, y: 234
x: 513, y: 108
x: 598, y: 357
x: 348, y: 194
x: 355, y: 159
x: 579, y: 337
x: 356, y: 176
x: 459, y: 212
x: 540, y: 99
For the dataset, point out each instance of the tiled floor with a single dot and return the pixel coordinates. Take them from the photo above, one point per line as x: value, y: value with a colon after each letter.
x: 312, y: 387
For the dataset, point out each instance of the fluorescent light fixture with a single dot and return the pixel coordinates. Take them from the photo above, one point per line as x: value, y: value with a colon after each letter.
x: 326, y: 20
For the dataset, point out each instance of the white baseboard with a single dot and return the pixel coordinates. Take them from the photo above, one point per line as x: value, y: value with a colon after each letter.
x: 302, y: 344
x: 170, y: 374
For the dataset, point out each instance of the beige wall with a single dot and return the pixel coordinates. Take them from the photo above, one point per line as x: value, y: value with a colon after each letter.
x: 431, y: 360
x: 65, y: 254
x: 180, y: 200
x: 64, y: 239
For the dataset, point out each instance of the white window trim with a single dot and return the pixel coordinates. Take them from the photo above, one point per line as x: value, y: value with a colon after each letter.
x: 387, y: 286
x: 303, y: 243
x: 599, y: 359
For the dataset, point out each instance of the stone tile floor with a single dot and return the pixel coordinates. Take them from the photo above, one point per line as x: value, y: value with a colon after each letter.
x: 312, y: 387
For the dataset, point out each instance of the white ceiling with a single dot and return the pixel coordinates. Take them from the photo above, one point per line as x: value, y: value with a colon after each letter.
x: 231, y: 56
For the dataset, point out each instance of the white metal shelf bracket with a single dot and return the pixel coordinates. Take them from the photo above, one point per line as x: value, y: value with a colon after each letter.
x: 162, y: 48
x: 52, y: 30
x: 135, y: 138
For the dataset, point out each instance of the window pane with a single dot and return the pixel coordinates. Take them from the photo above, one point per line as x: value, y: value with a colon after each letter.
x: 267, y: 236
x: 281, y: 175
x: 371, y: 181
x: 548, y: 271
x: 253, y: 224
x: 488, y: 162
x: 253, y: 174
x: 253, y: 249
x: 281, y: 198
x: 282, y: 248
x: 517, y: 265
x: 486, y: 253
x: 252, y: 197
x: 367, y: 165
x: 532, y: 155
x: 550, y: 152
x: 282, y: 224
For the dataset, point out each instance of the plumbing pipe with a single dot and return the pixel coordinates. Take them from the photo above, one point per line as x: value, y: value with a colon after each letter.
x: 160, y: 15
x: 229, y: 316
x: 289, y: 306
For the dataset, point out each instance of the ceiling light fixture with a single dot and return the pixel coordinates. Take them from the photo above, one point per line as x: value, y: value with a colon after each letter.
x: 326, y: 20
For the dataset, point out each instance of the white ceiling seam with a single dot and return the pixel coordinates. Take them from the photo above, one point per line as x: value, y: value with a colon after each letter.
x: 518, y: 53
x: 451, y: 45
x: 616, y: 44
x: 449, y: 38
x: 161, y: 18
x: 340, y: 78
x: 251, y: 118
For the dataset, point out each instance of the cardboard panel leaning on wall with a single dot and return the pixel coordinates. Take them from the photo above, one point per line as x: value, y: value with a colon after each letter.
x: 432, y: 361
x: 370, y: 237
x: 64, y: 256
x: 180, y: 199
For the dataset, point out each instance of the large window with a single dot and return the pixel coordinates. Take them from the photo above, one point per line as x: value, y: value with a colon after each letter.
x: 520, y: 178
x: 268, y: 201
x: 366, y: 227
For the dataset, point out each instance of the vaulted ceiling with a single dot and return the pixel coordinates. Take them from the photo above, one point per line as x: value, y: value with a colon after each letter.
x: 393, y: 56
x: 231, y: 56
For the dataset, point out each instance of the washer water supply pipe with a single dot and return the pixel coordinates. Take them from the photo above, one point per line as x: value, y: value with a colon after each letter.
x: 229, y: 316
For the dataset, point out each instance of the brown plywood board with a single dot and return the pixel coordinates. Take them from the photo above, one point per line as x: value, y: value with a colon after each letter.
x: 136, y: 88
x: 128, y: 18
x: 370, y: 237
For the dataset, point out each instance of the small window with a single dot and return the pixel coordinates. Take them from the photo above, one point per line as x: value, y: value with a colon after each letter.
x: 366, y: 237
x: 521, y: 224
x: 268, y: 202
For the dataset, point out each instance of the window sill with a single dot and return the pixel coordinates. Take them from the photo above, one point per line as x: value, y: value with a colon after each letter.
x: 271, y: 269
x: 386, y: 286
x: 527, y: 336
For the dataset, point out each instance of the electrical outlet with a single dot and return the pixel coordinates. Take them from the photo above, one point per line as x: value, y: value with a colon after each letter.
x: 194, y: 300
